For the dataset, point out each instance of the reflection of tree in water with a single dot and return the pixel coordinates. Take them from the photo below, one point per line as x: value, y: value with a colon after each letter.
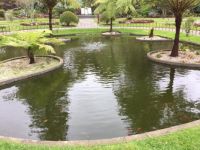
x: 104, y: 63
x: 48, y: 104
x: 147, y: 108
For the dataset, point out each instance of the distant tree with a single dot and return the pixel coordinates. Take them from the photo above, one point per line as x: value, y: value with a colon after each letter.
x: 111, y: 8
x: 50, y: 4
x: 7, y: 4
x: 179, y: 7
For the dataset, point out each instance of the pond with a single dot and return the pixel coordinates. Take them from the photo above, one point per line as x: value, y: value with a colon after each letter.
x: 107, y: 88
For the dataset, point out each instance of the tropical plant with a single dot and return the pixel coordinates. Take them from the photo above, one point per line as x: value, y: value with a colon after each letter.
x: 50, y: 4
x: 2, y: 13
x: 32, y: 42
x: 179, y: 7
x: 151, y: 34
x: 188, y: 25
x: 111, y: 8
x: 9, y: 16
x: 68, y: 17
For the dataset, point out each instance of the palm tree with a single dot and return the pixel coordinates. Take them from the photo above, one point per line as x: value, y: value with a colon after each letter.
x: 50, y: 4
x: 179, y: 7
x: 32, y: 42
x: 111, y: 8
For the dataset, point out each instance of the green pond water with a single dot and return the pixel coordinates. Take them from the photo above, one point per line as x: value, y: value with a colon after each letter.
x: 107, y: 88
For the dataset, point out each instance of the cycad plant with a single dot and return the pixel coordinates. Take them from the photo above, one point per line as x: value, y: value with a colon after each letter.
x: 179, y: 7
x: 32, y: 42
x: 112, y: 8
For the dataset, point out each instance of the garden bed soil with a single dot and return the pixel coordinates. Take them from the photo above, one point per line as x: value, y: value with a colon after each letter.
x: 155, y: 38
x: 114, y: 33
x: 19, y: 68
x: 185, y: 58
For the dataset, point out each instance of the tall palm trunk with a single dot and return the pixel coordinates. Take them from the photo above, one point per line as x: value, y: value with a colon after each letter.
x: 111, y: 25
x: 175, y: 48
x: 50, y: 18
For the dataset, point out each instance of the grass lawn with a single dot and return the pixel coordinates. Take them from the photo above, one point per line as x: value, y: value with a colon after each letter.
x: 158, y: 22
x: 183, y: 140
x: 168, y: 34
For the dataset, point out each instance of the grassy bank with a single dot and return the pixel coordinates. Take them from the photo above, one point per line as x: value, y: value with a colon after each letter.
x: 168, y: 34
x: 183, y: 140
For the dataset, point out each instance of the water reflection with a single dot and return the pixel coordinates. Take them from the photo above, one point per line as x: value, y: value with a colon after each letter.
x: 107, y: 88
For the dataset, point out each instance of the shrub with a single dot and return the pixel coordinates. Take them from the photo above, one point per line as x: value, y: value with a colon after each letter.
x: 68, y: 17
x: 9, y: 15
x: 2, y: 13
x: 188, y: 25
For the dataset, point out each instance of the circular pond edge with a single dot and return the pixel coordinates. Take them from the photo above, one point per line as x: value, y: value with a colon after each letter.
x: 168, y: 62
x: 125, y: 139
x: 154, y: 39
x: 10, y: 81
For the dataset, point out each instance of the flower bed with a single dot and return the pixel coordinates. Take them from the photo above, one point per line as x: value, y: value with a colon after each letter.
x: 136, y: 21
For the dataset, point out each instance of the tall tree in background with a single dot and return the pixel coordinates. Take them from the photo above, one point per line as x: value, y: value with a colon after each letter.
x: 50, y: 4
x: 179, y: 7
x: 111, y: 8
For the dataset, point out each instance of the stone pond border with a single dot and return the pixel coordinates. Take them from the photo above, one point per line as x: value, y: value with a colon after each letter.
x: 10, y: 81
x: 119, y: 140
x: 166, y: 62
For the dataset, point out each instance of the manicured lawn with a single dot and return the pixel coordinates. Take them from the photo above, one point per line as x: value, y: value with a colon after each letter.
x: 182, y: 140
x: 158, y: 22
x: 168, y: 34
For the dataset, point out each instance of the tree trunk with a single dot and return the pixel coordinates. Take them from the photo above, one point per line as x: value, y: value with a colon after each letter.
x: 175, y: 48
x: 31, y: 56
x: 111, y: 25
x: 50, y: 18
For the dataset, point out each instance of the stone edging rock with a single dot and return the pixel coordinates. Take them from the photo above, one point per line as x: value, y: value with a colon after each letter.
x: 34, y: 74
x: 167, y: 62
x: 142, y: 136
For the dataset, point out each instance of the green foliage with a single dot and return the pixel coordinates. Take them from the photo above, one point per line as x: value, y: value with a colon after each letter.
x: 33, y: 42
x: 2, y: 13
x: 9, y: 16
x: 68, y: 17
x: 188, y: 25
x: 105, y: 18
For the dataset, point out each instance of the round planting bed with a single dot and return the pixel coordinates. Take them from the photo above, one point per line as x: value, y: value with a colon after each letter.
x: 189, y: 59
x: 111, y: 33
x: 16, y: 69
x: 155, y: 38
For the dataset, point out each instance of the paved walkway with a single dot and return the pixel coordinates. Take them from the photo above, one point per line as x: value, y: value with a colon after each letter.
x: 87, y: 23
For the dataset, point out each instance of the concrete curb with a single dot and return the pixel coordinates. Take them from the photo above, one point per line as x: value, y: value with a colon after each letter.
x: 111, y: 33
x: 34, y: 74
x: 142, y: 136
x: 168, y: 62
x: 153, y: 40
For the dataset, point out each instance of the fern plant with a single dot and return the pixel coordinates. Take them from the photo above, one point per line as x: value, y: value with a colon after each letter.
x: 32, y: 42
